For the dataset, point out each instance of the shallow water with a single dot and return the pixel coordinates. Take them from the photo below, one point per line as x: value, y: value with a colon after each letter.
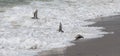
x: 22, y: 36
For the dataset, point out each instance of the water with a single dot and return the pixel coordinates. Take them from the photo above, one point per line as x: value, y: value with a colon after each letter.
x: 22, y: 36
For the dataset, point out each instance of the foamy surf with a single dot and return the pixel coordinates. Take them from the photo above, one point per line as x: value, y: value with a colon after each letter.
x: 22, y: 36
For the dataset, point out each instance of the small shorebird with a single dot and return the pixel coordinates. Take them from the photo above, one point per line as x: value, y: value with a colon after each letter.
x: 60, y: 28
x: 78, y: 37
x: 35, y: 15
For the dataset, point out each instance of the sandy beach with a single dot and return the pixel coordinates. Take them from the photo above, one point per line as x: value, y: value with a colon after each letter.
x: 109, y: 45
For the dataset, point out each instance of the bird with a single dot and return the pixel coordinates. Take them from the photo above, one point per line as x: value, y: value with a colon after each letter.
x: 35, y: 15
x: 60, y: 27
x: 78, y: 37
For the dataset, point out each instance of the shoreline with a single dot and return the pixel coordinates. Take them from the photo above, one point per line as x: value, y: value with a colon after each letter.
x: 109, y: 45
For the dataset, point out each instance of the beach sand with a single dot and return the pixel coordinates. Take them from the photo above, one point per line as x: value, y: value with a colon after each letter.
x: 109, y: 45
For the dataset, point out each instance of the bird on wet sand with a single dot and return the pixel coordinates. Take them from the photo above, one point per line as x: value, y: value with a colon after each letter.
x: 78, y: 37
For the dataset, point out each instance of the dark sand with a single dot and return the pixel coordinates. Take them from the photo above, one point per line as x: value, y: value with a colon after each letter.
x: 109, y: 45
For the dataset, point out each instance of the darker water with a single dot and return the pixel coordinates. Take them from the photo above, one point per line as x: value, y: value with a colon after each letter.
x: 17, y: 2
x: 7, y: 3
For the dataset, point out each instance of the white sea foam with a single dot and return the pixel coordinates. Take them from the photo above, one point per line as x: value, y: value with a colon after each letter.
x: 22, y: 36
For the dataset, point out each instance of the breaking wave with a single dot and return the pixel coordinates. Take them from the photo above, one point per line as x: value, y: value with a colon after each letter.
x: 22, y: 36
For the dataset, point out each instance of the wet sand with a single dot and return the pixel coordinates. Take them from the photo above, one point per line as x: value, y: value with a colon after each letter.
x: 109, y: 45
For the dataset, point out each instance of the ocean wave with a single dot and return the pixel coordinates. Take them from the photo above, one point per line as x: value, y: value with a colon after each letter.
x: 24, y: 36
